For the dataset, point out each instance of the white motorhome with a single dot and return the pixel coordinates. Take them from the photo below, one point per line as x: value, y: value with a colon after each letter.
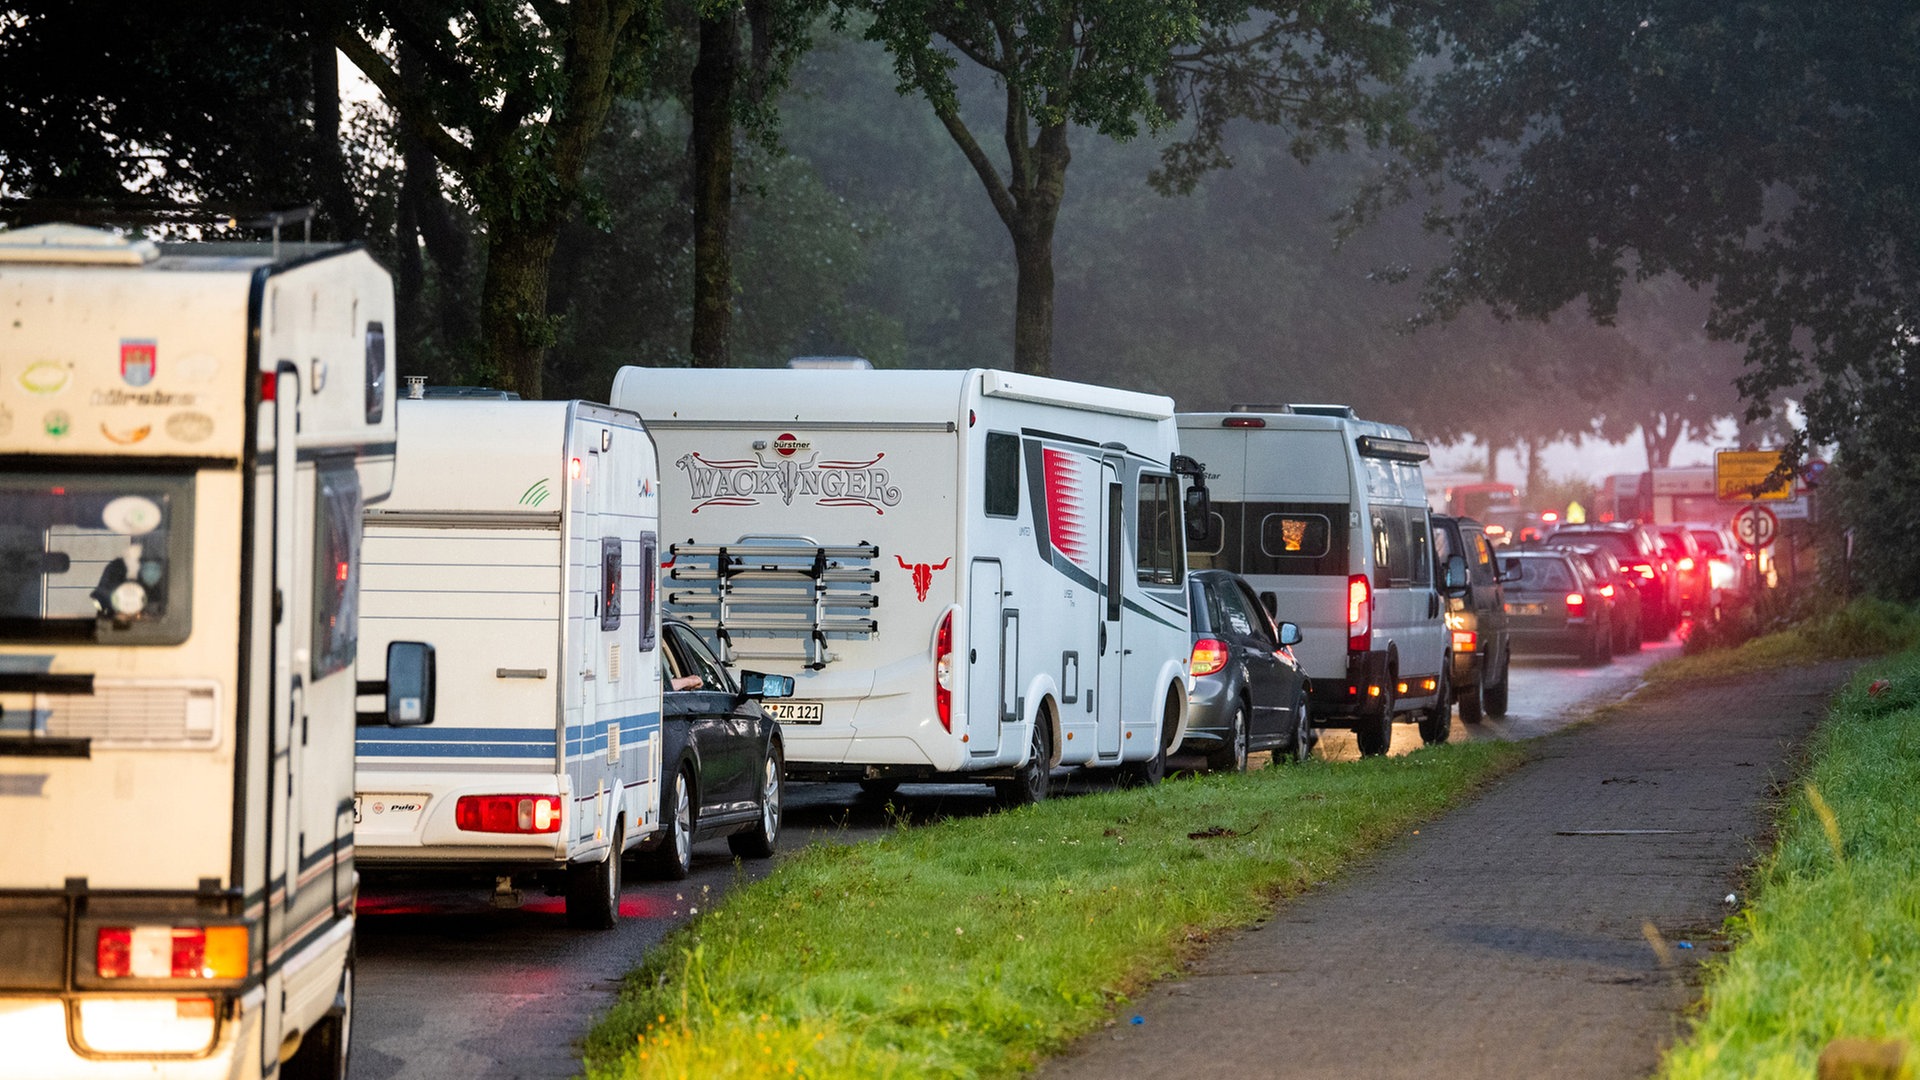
x: 1327, y: 513
x: 520, y: 539
x: 972, y: 575
x: 186, y: 441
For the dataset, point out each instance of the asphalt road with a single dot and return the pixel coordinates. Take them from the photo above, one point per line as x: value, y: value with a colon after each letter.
x: 450, y: 987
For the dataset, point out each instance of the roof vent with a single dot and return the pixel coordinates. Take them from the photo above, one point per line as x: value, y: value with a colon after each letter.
x: 467, y: 393
x: 1344, y: 412
x: 830, y: 363
x: 1251, y: 408
x: 57, y: 243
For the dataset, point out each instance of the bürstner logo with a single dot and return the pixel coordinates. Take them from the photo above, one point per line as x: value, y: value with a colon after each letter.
x: 786, y: 444
x: 742, y: 481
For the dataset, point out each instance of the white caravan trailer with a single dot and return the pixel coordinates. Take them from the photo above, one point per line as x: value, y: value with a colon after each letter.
x: 1328, y: 514
x: 186, y: 442
x: 520, y: 539
x: 972, y: 575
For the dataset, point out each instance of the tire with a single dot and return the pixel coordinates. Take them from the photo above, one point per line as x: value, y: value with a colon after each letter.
x: 1299, y: 744
x: 1470, y: 697
x: 1029, y: 785
x: 1494, y: 695
x: 327, y: 1046
x: 1436, y: 720
x: 879, y: 789
x: 673, y: 859
x: 761, y: 841
x: 1233, y: 756
x: 1374, y: 731
x: 1599, y: 648
x: 1146, y: 773
x: 593, y: 890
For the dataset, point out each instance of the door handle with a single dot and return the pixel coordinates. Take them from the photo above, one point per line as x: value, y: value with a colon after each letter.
x: 1103, y: 639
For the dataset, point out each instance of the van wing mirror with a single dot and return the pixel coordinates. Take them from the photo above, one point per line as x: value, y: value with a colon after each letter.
x: 753, y: 684
x: 1199, y: 514
x: 1290, y: 634
x: 1454, y: 582
x: 408, y: 688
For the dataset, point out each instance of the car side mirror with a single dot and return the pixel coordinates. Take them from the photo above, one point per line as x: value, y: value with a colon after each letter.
x: 1198, y: 507
x: 408, y: 687
x: 1290, y: 634
x: 1510, y: 572
x: 1454, y: 581
x: 755, y: 685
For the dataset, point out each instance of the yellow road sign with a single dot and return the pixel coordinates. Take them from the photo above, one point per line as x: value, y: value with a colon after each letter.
x: 1737, y: 472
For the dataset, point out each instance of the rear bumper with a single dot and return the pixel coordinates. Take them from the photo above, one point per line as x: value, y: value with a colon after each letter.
x: 1338, y: 702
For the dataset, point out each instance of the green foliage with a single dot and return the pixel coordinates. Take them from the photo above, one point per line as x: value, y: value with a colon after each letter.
x: 971, y: 947
x: 1863, y: 627
x: 1830, y: 944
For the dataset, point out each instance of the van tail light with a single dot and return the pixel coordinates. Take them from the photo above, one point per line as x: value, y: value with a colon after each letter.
x: 1359, y: 613
x: 1576, y: 602
x: 1209, y: 656
x: 171, y: 952
x: 1606, y: 591
x: 943, y: 671
x: 1645, y: 570
x: 1686, y: 562
x: 507, y: 813
x: 1465, y: 641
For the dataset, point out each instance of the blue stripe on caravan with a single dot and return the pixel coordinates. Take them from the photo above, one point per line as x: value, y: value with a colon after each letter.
x: 589, y: 739
x: 434, y: 741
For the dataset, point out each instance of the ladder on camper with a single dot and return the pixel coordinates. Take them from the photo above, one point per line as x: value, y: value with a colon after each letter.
x: 775, y: 601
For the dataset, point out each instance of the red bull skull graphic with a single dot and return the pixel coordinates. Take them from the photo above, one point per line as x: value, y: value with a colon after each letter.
x: 922, y: 574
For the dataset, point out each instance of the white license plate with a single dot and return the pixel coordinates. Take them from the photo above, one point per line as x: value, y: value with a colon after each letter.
x: 1526, y: 609
x: 796, y: 712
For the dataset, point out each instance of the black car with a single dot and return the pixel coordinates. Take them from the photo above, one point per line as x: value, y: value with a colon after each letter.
x: 722, y: 757
x: 1248, y: 690
x: 1554, y: 605
x: 1476, y: 619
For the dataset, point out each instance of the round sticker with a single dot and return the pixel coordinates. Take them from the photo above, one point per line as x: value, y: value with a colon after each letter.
x: 131, y: 515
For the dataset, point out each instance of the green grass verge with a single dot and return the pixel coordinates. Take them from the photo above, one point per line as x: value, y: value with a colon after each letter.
x: 974, y: 946
x: 1864, y: 627
x: 1830, y: 946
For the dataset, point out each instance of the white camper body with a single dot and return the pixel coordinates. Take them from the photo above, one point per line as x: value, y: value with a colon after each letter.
x: 186, y: 442
x: 970, y: 574
x: 1328, y: 513
x: 520, y: 540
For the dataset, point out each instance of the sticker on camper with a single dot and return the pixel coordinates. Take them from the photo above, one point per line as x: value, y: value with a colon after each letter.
x: 1069, y: 501
x: 131, y: 515
x: 860, y: 484
x: 46, y: 377
x: 189, y: 426
x: 139, y: 359
x: 127, y: 436
x: 57, y: 423
x: 922, y: 574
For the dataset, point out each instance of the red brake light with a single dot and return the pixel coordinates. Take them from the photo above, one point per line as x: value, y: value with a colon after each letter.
x: 1209, y: 656
x: 1686, y: 562
x: 1243, y: 421
x: 507, y: 813
x: 1359, y: 613
x: 171, y: 952
x: 943, y: 671
x: 1465, y: 640
x: 1606, y: 591
x: 267, y: 381
x: 1645, y: 570
x: 1575, y: 600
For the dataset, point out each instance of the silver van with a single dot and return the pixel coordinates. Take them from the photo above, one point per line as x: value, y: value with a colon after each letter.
x: 1326, y: 515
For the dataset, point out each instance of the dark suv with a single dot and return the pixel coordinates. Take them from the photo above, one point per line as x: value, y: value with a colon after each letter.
x: 1476, y: 619
x: 1645, y: 558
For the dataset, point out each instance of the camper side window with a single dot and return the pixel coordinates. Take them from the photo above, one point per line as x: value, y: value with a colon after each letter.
x: 649, y: 581
x: 1158, y: 543
x: 336, y: 567
x: 1003, y: 475
x: 610, y: 583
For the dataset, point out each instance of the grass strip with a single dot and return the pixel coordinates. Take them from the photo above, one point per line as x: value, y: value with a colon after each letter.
x: 1864, y: 627
x: 1830, y: 946
x: 974, y: 946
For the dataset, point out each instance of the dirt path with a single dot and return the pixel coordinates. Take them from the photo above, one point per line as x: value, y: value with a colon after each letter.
x: 1505, y: 939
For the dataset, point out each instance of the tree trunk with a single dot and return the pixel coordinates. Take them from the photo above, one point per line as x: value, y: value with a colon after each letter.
x: 515, y: 330
x: 1536, y: 469
x: 1660, y: 434
x: 711, y: 109
x: 1038, y: 210
x: 338, y: 217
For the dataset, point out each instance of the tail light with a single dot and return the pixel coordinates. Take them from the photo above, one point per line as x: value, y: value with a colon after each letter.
x: 1359, y: 613
x: 507, y: 813
x: 1465, y: 641
x: 1645, y: 570
x: 1209, y: 656
x: 943, y: 671
x: 1686, y: 562
x: 1575, y: 601
x: 171, y: 952
x: 1606, y: 591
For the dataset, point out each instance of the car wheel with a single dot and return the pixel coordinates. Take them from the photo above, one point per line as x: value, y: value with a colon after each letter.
x: 1652, y: 624
x: 1494, y: 697
x: 327, y: 1046
x: 1233, y: 756
x: 1470, y: 695
x: 1436, y: 720
x: 673, y: 859
x: 1029, y: 785
x: 1299, y: 745
x: 593, y: 890
x: 759, y: 841
x: 1599, y: 648
x: 1374, y: 731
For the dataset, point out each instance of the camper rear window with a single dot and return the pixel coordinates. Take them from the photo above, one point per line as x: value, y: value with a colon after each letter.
x: 336, y: 567
x: 1003, y: 475
x: 95, y: 557
x: 1276, y: 538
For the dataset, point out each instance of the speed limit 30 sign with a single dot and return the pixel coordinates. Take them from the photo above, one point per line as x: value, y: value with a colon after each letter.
x: 1755, y: 526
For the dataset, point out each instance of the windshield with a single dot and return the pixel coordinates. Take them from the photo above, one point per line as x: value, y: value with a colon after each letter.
x: 95, y: 557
